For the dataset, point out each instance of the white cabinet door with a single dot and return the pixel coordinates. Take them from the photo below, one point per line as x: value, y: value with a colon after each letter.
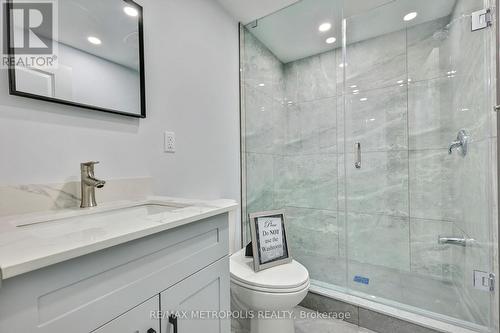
x: 186, y: 306
x: 140, y: 319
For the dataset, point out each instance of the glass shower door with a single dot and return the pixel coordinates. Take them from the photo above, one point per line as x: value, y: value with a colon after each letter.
x: 376, y: 154
x: 419, y: 219
x: 290, y: 103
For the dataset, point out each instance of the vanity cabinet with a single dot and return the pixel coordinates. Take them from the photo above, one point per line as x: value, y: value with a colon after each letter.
x: 199, y: 303
x: 196, y: 304
x: 115, y: 290
x: 137, y: 320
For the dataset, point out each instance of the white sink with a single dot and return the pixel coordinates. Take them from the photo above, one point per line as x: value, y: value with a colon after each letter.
x: 96, y: 215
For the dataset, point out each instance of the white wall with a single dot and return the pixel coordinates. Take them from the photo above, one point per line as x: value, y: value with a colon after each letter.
x: 192, y: 88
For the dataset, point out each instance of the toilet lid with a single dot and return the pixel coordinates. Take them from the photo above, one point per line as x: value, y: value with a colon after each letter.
x: 285, y: 276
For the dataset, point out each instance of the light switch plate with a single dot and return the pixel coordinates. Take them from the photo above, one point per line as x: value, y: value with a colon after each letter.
x: 169, y: 143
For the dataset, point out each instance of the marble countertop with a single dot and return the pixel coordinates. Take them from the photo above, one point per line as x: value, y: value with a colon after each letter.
x: 33, y: 241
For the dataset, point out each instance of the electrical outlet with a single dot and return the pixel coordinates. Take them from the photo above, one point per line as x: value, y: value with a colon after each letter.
x: 169, y: 142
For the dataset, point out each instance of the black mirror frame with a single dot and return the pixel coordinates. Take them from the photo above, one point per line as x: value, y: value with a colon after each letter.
x: 12, y: 72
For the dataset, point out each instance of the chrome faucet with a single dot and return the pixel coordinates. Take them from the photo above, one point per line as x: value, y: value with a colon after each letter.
x: 89, y: 184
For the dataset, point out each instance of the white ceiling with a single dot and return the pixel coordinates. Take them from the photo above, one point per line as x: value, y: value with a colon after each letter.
x: 245, y: 11
x: 356, y: 7
x: 106, y: 20
x: 292, y: 33
x: 389, y: 18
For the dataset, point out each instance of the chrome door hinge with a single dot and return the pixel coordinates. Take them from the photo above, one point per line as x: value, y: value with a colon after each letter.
x: 496, y: 108
x: 481, y: 19
x: 484, y: 281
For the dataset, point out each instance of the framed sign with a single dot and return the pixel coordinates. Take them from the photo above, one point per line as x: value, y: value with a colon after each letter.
x: 269, y: 242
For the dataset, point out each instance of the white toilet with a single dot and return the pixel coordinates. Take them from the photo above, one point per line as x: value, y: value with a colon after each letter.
x: 279, y: 289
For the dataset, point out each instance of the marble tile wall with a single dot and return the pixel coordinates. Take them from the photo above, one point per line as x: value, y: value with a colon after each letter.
x: 376, y: 195
x: 405, y: 96
x: 264, y: 116
x: 307, y: 180
x: 291, y: 149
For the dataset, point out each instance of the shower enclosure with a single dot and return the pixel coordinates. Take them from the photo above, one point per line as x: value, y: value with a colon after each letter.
x: 378, y: 138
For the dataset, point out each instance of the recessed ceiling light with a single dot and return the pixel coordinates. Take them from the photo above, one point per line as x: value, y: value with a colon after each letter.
x: 364, y: 99
x: 94, y: 40
x: 342, y: 65
x: 331, y: 40
x: 130, y: 11
x: 262, y: 84
x: 410, y: 16
x: 325, y: 27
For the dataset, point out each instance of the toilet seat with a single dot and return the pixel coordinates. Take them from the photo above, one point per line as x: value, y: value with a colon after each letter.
x: 305, y: 286
x: 287, y: 278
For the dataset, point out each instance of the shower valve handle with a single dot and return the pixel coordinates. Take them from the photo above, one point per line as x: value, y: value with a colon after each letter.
x: 462, y: 142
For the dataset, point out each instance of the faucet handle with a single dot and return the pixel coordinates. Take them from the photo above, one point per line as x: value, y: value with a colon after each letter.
x: 91, y: 163
x: 88, y: 166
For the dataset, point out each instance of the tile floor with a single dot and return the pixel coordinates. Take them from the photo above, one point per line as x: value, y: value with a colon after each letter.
x: 314, y: 325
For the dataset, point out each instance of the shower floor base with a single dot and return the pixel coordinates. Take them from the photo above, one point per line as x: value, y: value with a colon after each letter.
x: 391, y: 312
x: 437, y: 298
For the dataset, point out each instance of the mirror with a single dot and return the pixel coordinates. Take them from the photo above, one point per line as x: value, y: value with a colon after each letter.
x: 85, y: 53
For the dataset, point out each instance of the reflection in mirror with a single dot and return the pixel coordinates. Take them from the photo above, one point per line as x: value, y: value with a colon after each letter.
x: 88, y: 53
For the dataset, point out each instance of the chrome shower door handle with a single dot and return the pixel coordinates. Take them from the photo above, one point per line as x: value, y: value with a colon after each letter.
x: 460, y: 241
x: 357, y: 163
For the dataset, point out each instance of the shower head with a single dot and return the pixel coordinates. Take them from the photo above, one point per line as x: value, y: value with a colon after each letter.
x: 441, y: 35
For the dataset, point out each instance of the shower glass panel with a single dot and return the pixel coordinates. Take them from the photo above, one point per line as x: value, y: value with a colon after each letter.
x: 290, y: 99
x: 352, y: 139
x: 410, y: 87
